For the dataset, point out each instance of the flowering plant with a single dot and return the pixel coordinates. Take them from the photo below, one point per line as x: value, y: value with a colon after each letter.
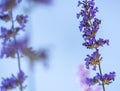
x: 89, y: 26
x: 12, y: 45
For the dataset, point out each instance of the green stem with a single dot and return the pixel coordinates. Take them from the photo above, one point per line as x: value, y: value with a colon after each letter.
x: 100, y: 70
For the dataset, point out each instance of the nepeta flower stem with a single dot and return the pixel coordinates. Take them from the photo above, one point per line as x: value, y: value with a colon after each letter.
x: 89, y: 25
x: 18, y: 56
x: 100, y: 70
x: 19, y: 66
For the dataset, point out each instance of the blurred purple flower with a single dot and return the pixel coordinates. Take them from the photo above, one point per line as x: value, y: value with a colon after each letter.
x: 6, y: 5
x: 8, y: 34
x: 12, y: 82
x: 5, y: 17
x: 10, y: 49
x: 21, y: 77
x: 22, y: 20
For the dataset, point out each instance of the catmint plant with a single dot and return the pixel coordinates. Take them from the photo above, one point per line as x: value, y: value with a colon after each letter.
x: 89, y: 26
x: 11, y: 45
x: 15, y: 46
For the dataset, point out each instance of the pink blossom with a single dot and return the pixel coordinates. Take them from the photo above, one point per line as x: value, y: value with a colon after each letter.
x: 82, y: 74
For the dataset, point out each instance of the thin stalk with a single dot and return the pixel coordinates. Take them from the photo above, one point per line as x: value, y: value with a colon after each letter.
x: 100, y: 70
x: 18, y: 55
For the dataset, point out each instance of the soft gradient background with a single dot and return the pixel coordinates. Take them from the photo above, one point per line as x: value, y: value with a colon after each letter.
x: 56, y: 27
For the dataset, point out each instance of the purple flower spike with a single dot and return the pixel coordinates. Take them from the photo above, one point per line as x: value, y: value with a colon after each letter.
x: 89, y: 26
x: 10, y: 44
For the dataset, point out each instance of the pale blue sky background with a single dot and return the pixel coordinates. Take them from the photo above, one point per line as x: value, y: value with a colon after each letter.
x: 56, y: 27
